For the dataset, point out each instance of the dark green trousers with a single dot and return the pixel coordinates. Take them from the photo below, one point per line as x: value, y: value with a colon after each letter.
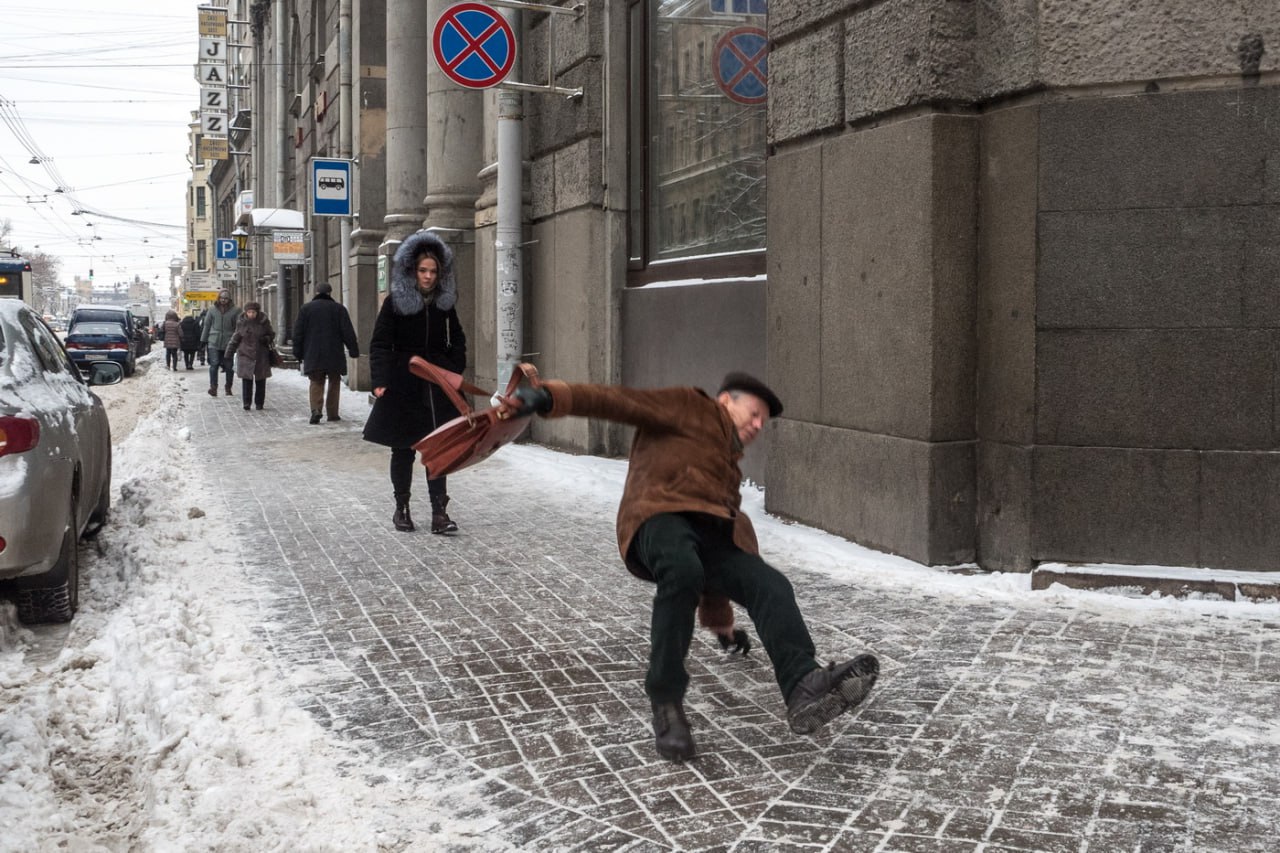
x: 689, y: 552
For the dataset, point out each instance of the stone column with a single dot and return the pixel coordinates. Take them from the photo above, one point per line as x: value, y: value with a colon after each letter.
x: 408, y: 64
x: 368, y: 146
x: 455, y: 156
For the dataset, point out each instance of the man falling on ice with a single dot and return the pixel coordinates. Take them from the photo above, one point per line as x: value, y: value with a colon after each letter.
x: 680, y: 526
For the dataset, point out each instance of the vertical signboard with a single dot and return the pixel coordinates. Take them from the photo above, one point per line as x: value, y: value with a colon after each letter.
x: 211, y: 72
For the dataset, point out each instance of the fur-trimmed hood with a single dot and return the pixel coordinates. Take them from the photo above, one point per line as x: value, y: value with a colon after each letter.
x: 404, y: 294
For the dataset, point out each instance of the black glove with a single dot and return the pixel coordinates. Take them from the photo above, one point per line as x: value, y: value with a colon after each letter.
x: 739, y: 642
x: 530, y: 401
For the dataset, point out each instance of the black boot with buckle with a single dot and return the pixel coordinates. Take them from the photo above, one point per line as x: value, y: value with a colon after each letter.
x: 401, y: 519
x: 440, y: 520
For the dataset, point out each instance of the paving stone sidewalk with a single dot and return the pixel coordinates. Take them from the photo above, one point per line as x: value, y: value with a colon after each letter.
x: 515, y: 651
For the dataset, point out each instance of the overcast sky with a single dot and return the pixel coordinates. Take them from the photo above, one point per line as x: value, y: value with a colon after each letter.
x: 100, y: 94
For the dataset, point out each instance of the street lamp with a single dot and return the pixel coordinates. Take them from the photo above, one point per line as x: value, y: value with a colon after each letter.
x: 242, y: 238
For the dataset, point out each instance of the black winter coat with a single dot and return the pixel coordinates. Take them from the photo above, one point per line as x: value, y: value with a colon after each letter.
x: 190, y: 331
x: 321, y: 332
x: 411, y: 407
x: 250, y: 345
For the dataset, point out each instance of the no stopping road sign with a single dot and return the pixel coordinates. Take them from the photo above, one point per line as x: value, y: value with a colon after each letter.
x: 741, y: 64
x: 474, y: 45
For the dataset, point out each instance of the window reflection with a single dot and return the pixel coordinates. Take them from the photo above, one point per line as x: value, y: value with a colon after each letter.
x: 706, y: 85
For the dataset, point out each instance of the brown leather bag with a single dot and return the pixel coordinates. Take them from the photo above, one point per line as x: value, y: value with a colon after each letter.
x: 474, y: 435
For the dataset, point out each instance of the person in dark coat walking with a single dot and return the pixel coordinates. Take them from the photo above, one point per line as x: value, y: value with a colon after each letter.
x: 250, y: 346
x: 189, y: 340
x: 417, y: 318
x: 171, y: 336
x: 321, y: 332
x: 681, y: 526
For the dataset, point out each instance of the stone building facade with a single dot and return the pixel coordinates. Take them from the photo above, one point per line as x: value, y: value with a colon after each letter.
x: 1014, y: 265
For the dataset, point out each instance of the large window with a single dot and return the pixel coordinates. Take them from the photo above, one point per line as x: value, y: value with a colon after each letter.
x: 697, y: 138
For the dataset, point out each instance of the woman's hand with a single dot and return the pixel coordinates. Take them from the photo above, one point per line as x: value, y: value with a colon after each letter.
x: 378, y: 392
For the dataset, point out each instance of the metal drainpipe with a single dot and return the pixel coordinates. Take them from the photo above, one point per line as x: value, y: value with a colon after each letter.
x: 509, y: 280
x: 282, y: 143
x: 259, y: 163
x: 344, y: 134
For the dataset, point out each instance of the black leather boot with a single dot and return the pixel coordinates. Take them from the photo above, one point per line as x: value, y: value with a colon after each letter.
x: 401, y: 519
x: 671, y: 732
x: 827, y: 692
x: 440, y: 520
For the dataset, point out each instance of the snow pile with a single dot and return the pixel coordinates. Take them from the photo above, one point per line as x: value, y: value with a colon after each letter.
x: 162, y: 724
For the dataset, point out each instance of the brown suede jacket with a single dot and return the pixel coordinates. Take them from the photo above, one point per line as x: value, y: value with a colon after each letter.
x: 684, y: 457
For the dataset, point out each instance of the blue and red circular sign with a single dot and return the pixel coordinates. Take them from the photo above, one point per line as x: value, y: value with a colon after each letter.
x: 474, y: 45
x: 741, y: 64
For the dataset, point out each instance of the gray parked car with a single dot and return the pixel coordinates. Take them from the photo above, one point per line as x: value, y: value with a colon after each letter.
x: 55, y: 464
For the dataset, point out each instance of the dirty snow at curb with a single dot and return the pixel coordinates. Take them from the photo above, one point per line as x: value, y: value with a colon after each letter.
x: 162, y: 723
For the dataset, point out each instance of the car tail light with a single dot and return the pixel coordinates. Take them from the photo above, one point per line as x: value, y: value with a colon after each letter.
x: 117, y: 346
x: 2, y: 544
x: 18, y: 435
x: 73, y: 345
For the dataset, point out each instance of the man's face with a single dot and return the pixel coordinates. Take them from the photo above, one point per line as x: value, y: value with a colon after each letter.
x: 747, y: 411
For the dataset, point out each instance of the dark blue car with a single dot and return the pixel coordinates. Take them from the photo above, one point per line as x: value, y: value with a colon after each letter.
x: 92, y: 341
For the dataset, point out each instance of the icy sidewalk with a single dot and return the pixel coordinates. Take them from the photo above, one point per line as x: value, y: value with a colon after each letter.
x: 339, y: 686
x: 1004, y: 717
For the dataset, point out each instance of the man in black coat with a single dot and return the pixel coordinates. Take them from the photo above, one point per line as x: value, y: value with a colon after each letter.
x: 320, y: 333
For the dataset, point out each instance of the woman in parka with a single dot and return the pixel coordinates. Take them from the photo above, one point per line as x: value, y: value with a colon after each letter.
x: 251, y: 348
x: 417, y: 318
x: 171, y: 335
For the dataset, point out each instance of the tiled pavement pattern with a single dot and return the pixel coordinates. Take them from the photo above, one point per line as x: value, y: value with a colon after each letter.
x: 514, y: 654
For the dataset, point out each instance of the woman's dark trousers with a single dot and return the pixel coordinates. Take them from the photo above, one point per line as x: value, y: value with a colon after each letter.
x: 254, y: 390
x: 688, y: 553
x: 402, y: 460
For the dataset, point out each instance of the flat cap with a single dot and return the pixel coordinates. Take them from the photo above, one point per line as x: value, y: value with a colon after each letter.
x: 747, y: 382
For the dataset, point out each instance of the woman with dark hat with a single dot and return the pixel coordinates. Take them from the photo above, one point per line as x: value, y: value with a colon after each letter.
x: 418, y: 318
x: 251, y: 348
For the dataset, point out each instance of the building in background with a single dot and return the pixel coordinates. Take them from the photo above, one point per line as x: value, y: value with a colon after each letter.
x: 1013, y: 266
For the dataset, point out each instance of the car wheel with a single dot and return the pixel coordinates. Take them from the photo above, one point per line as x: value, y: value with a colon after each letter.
x: 55, y: 595
x: 98, y: 518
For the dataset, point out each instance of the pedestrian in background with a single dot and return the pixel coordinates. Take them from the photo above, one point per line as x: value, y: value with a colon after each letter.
x: 171, y: 335
x: 417, y: 318
x: 680, y: 525
x: 219, y: 325
x: 202, y: 354
x: 189, y: 333
x: 251, y: 345
x: 320, y: 334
